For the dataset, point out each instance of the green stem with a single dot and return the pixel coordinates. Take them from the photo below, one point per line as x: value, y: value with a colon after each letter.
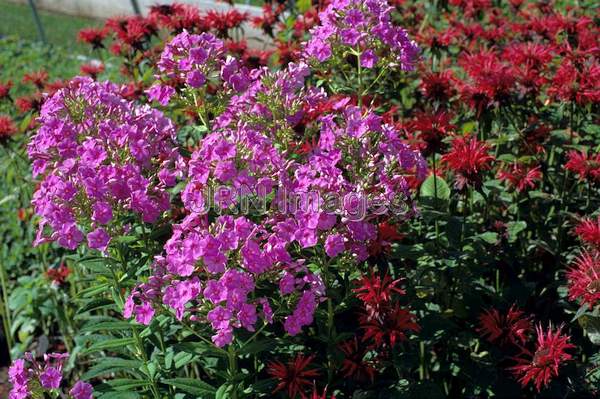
x: 381, y: 73
x: 233, y: 369
x: 360, y: 80
x: 255, y: 334
x: 199, y: 336
x: 138, y: 340
x: 435, y: 196
x: 330, y: 314
x: 6, y: 319
x: 144, y: 357
x: 421, y: 360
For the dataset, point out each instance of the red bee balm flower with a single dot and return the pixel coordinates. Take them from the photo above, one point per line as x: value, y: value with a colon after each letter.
x: 520, y: 176
x: 467, y: 158
x: 58, y: 275
x: 293, y: 376
x: 316, y: 395
x: 503, y: 328
x: 354, y: 365
x: 92, y: 69
x: 544, y: 363
x: 584, y: 165
x: 584, y: 278
x: 38, y: 78
x: 32, y: 102
x: 92, y: 36
x: 433, y: 129
x: 386, y: 235
x: 7, y: 128
x: 588, y: 230
x: 376, y: 292
x: 5, y: 89
x: 438, y: 86
x: 389, y: 328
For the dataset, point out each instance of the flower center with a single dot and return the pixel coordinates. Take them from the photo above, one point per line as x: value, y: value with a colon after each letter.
x: 540, y: 357
x: 594, y: 287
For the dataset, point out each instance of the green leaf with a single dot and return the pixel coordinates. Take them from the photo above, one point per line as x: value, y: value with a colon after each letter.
x: 119, y: 395
x: 192, y: 385
x: 94, y: 290
x: 257, y: 346
x: 489, y: 237
x: 429, y: 186
x: 94, y: 304
x: 264, y: 386
x: 591, y: 325
x: 117, y: 325
x: 125, y: 384
x: 110, y: 344
x: 111, y: 365
x: 183, y: 358
x: 222, y: 392
x: 469, y: 127
x: 514, y: 228
x: 580, y: 312
x: 303, y: 6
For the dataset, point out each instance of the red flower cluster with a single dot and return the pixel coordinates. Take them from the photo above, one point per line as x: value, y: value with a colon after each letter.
x: 58, y: 275
x: 133, y: 31
x: 584, y: 274
x: 7, y: 128
x: 92, y: 36
x: 467, y: 158
x: 92, y: 69
x: 355, y: 365
x: 584, y: 278
x: 5, y: 90
x: 586, y: 166
x: 504, y: 328
x: 387, y: 234
x: 588, y: 231
x: 520, y: 176
x: 384, y: 322
x: 542, y: 365
x: 438, y: 86
x: 511, y: 330
x: 37, y: 78
x: 293, y: 377
x: 176, y: 17
x: 432, y: 129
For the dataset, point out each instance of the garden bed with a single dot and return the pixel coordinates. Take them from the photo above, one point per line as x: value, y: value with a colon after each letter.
x: 390, y: 200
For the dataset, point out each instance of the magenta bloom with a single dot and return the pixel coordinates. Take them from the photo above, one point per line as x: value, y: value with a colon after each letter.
x: 19, y: 378
x: 144, y: 313
x: 81, y: 390
x: 368, y: 59
x: 98, y: 239
x: 334, y: 245
x: 50, y: 378
x: 160, y: 93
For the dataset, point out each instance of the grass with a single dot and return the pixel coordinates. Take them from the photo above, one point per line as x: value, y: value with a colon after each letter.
x: 61, y: 30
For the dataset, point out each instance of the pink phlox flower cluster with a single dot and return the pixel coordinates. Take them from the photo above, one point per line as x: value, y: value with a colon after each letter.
x: 366, y: 27
x: 100, y: 157
x: 195, y: 60
x: 28, y: 376
x: 216, y: 257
